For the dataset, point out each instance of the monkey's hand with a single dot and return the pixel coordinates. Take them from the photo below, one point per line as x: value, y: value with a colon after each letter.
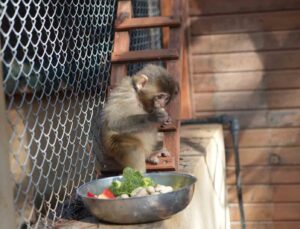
x: 159, y: 115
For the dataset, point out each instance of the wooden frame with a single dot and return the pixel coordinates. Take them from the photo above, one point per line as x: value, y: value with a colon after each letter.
x: 171, y: 53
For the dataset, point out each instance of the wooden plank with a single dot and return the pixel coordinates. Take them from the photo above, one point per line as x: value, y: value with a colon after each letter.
x: 240, y: 23
x: 266, y: 137
x: 242, y: 42
x: 146, y: 22
x: 186, y: 106
x: 247, y: 100
x: 268, y: 225
x: 266, y: 175
x: 253, y: 212
x: 208, y: 7
x: 266, y: 193
x: 121, y: 42
x: 248, y: 61
x: 266, y: 212
x: 266, y: 156
x: 253, y: 80
x: 145, y: 55
x: 167, y: 128
x: 165, y: 8
x: 260, y: 118
x: 165, y: 164
x: 172, y: 139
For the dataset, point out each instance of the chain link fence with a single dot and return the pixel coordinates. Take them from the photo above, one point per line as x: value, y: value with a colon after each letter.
x: 55, y: 61
x: 55, y: 57
x: 142, y: 39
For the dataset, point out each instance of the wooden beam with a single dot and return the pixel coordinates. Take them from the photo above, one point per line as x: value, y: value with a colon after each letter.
x: 146, y: 22
x: 121, y: 41
x: 167, y: 128
x: 165, y: 164
x: 165, y: 10
x: 145, y: 55
x: 186, y: 106
x: 172, y: 139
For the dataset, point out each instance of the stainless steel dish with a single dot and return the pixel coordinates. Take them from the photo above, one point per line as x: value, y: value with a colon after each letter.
x: 140, y: 209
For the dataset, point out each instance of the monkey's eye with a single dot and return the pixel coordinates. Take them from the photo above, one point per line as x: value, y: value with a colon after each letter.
x: 161, y: 96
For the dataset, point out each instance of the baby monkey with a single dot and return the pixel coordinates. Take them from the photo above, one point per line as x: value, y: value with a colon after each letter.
x: 132, y: 114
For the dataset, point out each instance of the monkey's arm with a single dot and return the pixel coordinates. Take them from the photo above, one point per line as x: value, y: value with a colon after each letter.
x: 133, y: 123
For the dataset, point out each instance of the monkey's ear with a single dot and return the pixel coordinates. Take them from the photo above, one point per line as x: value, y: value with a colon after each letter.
x: 139, y: 81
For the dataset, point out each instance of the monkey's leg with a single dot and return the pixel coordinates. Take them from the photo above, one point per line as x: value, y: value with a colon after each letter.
x: 129, y: 152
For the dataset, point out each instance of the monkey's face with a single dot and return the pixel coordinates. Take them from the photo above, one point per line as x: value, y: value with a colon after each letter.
x: 155, y: 88
x: 161, y: 100
x: 152, y: 98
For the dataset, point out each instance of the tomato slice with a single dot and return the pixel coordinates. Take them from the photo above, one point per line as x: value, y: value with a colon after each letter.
x: 89, y: 194
x: 106, y: 192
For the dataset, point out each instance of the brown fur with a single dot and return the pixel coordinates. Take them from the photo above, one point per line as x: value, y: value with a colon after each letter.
x: 129, y: 122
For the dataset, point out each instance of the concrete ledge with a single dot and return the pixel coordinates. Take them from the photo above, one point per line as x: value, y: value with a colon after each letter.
x: 203, y: 155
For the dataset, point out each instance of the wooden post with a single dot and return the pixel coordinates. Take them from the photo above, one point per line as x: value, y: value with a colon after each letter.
x: 121, y: 41
x: 186, y: 106
x: 7, y: 213
x: 173, y: 37
x: 172, y: 139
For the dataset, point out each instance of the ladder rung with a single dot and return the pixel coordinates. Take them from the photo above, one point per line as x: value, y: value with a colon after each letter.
x: 165, y: 164
x: 145, y: 55
x: 146, y: 22
x: 108, y: 165
x: 167, y: 128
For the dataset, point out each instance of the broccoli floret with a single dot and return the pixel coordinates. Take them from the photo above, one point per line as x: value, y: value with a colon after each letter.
x: 132, y: 179
x: 147, y: 181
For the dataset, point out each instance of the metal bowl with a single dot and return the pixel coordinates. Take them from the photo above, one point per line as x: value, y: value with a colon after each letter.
x: 140, y: 209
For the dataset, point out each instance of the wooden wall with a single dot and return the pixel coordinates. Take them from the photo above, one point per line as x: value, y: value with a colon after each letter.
x: 245, y: 61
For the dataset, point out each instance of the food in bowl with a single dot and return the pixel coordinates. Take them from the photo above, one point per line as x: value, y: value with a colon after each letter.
x: 133, y: 184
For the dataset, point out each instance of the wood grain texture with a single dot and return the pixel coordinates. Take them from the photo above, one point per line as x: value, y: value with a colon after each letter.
x: 266, y: 156
x: 266, y: 193
x: 176, y: 38
x: 240, y: 23
x: 208, y: 7
x: 186, y: 92
x: 247, y: 100
x: 244, y: 62
x: 266, y: 212
x: 240, y: 81
x: 266, y: 175
x: 248, y: 61
x: 267, y: 118
x: 242, y: 42
x: 268, y: 225
x: 146, y: 22
x: 145, y: 55
x: 274, y: 137
x: 121, y: 42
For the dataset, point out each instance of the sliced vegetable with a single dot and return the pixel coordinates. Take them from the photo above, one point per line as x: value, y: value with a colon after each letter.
x: 92, y: 195
x: 106, y: 192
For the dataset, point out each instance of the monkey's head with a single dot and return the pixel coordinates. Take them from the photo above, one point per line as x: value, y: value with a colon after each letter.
x: 155, y: 87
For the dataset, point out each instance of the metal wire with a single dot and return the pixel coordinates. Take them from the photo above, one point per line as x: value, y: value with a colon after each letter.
x: 56, y: 65
x: 142, y: 39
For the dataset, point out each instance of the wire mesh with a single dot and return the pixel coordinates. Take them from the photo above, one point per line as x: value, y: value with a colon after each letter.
x: 142, y: 39
x: 55, y: 58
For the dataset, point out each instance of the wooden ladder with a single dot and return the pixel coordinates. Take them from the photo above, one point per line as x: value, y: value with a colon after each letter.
x: 171, y: 54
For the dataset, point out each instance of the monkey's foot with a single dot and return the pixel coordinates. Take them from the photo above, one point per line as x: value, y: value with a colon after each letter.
x: 164, y: 153
x: 154, y: 157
